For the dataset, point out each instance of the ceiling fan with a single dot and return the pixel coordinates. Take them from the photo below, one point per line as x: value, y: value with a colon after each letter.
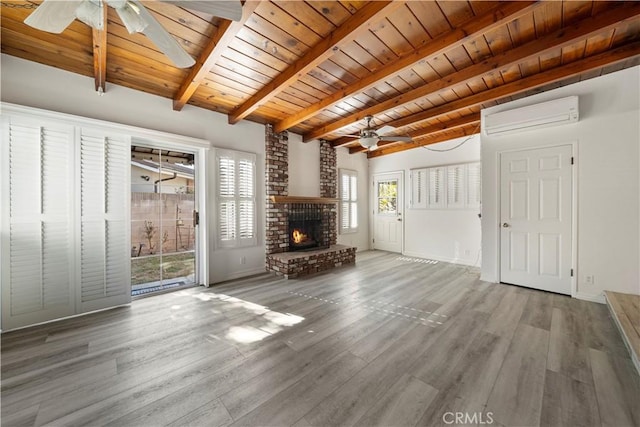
x: 369, y: 136
x: 54, y: 16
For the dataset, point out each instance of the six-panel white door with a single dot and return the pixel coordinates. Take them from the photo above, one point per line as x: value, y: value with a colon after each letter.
x: 535, y: 225
x: 387, y: 212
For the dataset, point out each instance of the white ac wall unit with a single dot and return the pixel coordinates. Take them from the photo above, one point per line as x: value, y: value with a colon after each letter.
x: 550, y: 113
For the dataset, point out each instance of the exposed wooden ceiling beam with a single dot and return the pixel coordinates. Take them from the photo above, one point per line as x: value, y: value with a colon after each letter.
x: 470, y: 119
x: 610, y: 57
x: 468, y: 30
x: 561, y: 38
x: 358, y: 22
x: 100, y: 53
x: 431, y: 139
x: 227, y: 31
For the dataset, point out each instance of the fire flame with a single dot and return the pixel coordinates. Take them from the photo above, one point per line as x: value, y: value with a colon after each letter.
x: 298, y: 236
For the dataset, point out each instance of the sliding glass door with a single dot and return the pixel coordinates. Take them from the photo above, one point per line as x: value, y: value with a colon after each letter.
x: 163, y: 220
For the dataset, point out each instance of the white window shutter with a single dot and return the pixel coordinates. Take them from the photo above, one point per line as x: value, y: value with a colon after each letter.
x: 348, y: 200
x: 246, y: 194
x: 104, y: 261
x: 455, y: 186
x: 474, y: 193
x: 227, y: 220
x: 419, y: 188
x: 436, y: 187
x: 236, y: 205
x: 36, y: 161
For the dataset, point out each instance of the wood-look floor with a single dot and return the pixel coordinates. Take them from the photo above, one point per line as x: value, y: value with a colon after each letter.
x: 387, y: 342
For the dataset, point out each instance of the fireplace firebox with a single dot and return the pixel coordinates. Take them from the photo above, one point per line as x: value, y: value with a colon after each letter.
x: 308, y: 227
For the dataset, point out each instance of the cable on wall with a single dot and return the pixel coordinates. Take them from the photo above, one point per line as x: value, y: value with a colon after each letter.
x: 457, y: 146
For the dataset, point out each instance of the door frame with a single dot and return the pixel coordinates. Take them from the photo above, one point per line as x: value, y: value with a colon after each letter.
x: 372, y: 207
x: 574, y: 208
x: 200, y: 179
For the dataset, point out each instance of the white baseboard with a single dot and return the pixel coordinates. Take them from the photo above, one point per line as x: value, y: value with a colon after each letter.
x: 590, y: 297
x: 439, y: 258
x: 239, y: 275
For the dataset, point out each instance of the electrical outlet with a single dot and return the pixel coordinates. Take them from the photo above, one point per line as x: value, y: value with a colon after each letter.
x: 590, y: 280
x: 243, y: 260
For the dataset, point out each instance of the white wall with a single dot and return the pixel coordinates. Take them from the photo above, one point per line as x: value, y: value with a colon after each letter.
x: 359, y: 163
x: 608, y: 140
x: 445, y: 235
x: 31, y: 84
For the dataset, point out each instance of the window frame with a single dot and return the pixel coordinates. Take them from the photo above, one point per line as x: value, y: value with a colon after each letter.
x: 237, y: 157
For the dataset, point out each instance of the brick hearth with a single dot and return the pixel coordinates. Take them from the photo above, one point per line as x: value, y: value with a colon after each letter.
x: 278, y: 258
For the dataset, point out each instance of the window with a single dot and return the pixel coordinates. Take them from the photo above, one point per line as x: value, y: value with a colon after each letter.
x: 348, y: 201
x: 236, y: 204
x: 446, y: 187
x: 387, y: 197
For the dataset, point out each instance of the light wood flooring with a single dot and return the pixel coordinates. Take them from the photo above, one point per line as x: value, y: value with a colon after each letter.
x: 387, y: 342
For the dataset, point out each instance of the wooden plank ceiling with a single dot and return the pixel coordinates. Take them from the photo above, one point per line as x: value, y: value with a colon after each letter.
x: 318, y: 68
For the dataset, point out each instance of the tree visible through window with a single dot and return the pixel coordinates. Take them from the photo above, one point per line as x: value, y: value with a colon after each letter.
x: 348, y: 201
x: 388, y: 197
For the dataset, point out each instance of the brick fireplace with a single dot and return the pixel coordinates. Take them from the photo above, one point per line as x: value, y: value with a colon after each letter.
x: 283, y: 210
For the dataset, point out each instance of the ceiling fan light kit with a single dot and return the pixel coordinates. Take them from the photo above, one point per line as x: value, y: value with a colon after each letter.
x: 369, y: 141
x: 369, y: 136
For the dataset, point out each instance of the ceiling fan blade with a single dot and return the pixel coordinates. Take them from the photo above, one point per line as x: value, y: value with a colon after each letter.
x: 227, y: 9
x: 53, y: 16
x: 163, y: 40
x: 385, y: 129
x: 395, y: 138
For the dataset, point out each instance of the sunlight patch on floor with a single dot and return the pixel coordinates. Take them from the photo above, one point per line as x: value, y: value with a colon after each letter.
x: 266, y: 323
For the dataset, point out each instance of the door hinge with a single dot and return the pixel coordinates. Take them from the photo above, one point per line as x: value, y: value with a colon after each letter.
x: 572, y: 272
x: 196, y: 218
x: 572, y: 160
x: 373, y: 240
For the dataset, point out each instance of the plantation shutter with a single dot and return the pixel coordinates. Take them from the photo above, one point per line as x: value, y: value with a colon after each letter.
x: 38, y: 253
x: 344, y: 198
x: 348, y: 200
x: 236, y: 198
x: 455, y: 186
x: 104, y: 253
x: 436, y: 187
x: 226, y: 199
x: 418, y: 188
x: 246, y: 193
x: 474, y: 193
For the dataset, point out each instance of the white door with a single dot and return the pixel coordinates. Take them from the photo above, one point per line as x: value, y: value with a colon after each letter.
x: 535, y: 218
x: 387, y: 212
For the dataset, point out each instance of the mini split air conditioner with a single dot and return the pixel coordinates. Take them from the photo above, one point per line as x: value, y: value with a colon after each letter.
x: 551, y: 113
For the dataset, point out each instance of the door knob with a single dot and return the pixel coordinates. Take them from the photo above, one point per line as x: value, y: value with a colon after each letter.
x: 506, y: 225
x: 399, y: 219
